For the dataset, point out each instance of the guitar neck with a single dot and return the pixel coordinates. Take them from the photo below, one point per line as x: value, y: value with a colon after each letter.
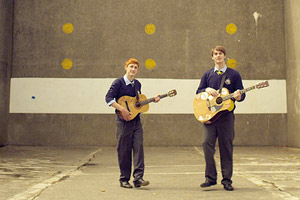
x: 152, y: 99
x: 242, y: 92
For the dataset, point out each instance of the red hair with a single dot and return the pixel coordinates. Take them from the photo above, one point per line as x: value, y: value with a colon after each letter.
x: 132, y: 61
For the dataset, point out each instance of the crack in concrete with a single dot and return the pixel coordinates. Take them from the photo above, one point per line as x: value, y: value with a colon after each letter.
x: 268, y: 185
x: 280, y: 189
x: 35, y: 191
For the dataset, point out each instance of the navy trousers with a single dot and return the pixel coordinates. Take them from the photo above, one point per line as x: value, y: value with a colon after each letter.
x: 130, y: 144
x: 223, y: 129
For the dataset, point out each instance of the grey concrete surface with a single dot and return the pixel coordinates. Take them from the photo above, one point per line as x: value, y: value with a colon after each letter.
x: 247, y: 128
x: 174, y: 173
x: 292, y: 31
x: 32, y: 168
x: 6, y: 38
x: 106, y: 33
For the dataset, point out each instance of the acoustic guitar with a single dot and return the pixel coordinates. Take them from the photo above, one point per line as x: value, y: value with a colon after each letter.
x: 208, y: 109
x: 141, y: 105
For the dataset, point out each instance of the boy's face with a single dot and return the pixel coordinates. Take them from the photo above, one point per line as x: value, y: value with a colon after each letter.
x: 132, y: 69
x: 218, y: 57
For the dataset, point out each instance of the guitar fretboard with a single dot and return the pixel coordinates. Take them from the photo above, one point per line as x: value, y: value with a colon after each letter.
x: 152, y: 99
x: 242, y: 92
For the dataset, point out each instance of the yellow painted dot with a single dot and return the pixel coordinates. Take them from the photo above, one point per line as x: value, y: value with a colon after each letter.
x: 150, y: 29
x: 67, y: 63
x: 232, y: 63
x: 231, y: 28
x: 68, y: 28
x: 150, y: 63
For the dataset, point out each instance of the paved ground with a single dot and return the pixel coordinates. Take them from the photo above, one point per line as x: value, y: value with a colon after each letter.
x: 45, y: 173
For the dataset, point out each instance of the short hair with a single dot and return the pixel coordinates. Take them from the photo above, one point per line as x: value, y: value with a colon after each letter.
x: 218, y: 48
x: 132, y: 61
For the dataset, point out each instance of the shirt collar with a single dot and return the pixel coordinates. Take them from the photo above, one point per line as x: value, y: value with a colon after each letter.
x: 223, y: 69
x: 127, y: 82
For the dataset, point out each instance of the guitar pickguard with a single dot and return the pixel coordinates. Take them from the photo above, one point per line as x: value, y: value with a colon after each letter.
x: 216, y: 108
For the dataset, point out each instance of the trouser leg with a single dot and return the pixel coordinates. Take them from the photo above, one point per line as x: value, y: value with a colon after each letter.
x: 225, y: 138
x: 138, y: 152
x: 124, y: 149
x: 209, y: 141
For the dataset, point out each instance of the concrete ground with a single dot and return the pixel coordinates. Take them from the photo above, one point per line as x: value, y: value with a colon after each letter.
x: 47, y: 173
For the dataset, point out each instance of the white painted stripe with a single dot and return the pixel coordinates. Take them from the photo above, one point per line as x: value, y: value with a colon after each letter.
x: 296, y: 172
x: 250, y: 173
x: 236, y: 164
x: 268, y: 164
x: 81, y: 95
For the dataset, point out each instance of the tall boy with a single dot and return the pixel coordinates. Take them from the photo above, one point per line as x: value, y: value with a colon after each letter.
x: 223, y: 127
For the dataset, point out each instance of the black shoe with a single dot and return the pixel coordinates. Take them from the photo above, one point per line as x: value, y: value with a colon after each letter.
x: 125, y: 184
x: 228, y: 187
x: 208, y: 183
x: 140, y: 182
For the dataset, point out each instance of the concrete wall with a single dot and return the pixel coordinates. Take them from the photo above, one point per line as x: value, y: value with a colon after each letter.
x: 292, y: 31
x: 106, y: 33
x: 6, y: 17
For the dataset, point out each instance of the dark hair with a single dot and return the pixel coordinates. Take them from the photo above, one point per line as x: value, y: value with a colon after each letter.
x: 218, y: 48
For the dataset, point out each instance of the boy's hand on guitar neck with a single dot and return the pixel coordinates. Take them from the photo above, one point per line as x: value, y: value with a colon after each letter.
x: 237, y: 95
x: 156, y: 99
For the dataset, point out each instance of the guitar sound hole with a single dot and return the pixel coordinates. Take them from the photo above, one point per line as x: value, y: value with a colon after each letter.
x: 219, y: 100
x: 137, y: 104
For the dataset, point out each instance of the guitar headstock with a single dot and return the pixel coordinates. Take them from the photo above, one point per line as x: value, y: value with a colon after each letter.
x: 172, y: 93
x: 262, y: 85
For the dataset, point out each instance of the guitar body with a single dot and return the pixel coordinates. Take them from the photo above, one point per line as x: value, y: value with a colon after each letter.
x: 207, y: 108
x: 130, y: 104
x: 139, y: 106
